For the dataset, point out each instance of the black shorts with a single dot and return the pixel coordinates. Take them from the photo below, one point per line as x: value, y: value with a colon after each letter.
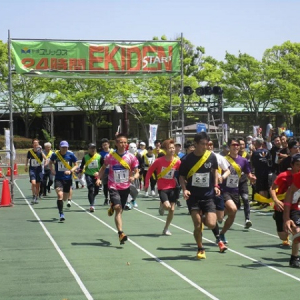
x: 261, y: 184
x: 219, y: 202
x: 64, y: 184
x: 168, y: 195
x: 243, y: 188
x: 278, y: 217
x: 119, y: 196
x: 203, y: 205
x: 234, y: 197
x: 295, y: 216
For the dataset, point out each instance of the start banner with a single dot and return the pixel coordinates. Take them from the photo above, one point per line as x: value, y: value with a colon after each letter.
x: 94, y: 60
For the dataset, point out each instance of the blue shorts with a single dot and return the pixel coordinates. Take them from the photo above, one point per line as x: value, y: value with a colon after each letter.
x: 36, y: 174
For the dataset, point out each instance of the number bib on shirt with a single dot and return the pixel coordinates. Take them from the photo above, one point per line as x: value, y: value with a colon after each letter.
x: 121, y: 176
x: 200, y: 179
x: 34, y: 163
x: 61, y: 167
x: 93, y: 164
x: 169, y: 175
x: 232, y: 181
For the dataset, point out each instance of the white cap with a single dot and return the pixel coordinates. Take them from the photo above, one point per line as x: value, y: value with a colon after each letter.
x: 143, y: 143
x: 249, y: 137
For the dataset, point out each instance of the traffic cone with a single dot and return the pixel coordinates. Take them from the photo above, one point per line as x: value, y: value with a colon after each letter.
x: 1, y: 174
x: 6, y: 197
x: 16, y: 169
x: 8, y: 171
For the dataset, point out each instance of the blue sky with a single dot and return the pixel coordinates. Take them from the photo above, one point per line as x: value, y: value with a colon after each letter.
x: 218, y: 25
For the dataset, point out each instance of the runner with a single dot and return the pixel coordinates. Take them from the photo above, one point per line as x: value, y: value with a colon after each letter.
x: 282, y: 182
x: 230, y: 186
x: 243, y: 184
x: 90, y: 166
x: 121, y: 163
x: 47, y: 176
x: 65, y: 163
x: 105, y: 149
x: 165, y: 167
x: 198, y: 176
x: 291, y: 217
x: 35, y: 158
x: 147, y: 160
x: 223, y: 173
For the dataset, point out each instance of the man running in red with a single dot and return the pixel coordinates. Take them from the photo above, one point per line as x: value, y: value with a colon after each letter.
x: 282, y: 182
x: 165, y: 168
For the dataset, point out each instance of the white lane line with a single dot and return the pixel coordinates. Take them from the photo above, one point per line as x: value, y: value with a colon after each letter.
x: 229, y: 249
x: 153, y: 256
x: 67, y: 263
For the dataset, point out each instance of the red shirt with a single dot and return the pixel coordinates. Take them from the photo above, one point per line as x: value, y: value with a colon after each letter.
x: 166, y: 182
x: 284, y: 180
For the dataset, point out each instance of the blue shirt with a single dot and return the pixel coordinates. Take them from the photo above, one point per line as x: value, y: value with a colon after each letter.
x: 60, y: 169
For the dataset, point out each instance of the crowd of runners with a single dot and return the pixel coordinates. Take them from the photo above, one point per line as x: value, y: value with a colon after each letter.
x: 213, y: 185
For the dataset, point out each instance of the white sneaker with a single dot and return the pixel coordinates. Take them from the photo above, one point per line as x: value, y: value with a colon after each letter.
x: 92, y: 209
x: 146, y: 194
x: 166, y: 232
x: 69, y: 203
x: 153, y: 193
x: 36, y: 201
x: 134, y: 204
x: 248, y: 224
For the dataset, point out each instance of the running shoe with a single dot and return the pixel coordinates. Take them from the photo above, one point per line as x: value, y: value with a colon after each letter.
x: 111, y: 210
x: 61, y: 217
x: 69, y: 203
x: 295, y: 262
x: 105, y: 202
x: 222, y: 247
x: 223, y: 239
x: 161, y: 209
x: 134, y: 204
x: 153, y: 193
x: 248, y: 224
x: 92, y: 209
x: 36, y: 201
x: 166, y: 232
x: 286, y: 242
x: 146, y: 194
x: 201, y: 254
x: 33, y: 200
x: 127, y: 206
x: 122, y: 238
x: 179, y: 204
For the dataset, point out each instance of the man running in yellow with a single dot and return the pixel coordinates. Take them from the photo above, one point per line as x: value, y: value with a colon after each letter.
x: 90, y: 166
x: 65, y: 163
x: 198, y: 176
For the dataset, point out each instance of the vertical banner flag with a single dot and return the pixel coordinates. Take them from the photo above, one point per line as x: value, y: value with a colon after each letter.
x: 152, y: 134
x: 7, y: 144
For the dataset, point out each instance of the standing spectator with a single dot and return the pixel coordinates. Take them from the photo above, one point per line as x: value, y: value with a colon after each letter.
x: 293, y: 148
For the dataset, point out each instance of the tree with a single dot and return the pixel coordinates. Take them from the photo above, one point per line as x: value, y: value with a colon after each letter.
x: 282, y: 66
x: 245, y: 83
x: 90, y: 96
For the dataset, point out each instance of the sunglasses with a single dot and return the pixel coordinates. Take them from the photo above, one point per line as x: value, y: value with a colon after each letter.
x: 235, y: 145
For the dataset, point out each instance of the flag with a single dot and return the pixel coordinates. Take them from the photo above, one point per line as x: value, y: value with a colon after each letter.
x: 7, y: 144
x: 152, y: 134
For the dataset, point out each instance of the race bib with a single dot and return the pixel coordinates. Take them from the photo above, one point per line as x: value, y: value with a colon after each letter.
x: 151, y: 161
x: 200, y: 179
x: 169, y: 175
x: 34, y: 163
x: 61, y: 167
x: 93, y: 164
x: 121, y: 176
x: 232, y: 181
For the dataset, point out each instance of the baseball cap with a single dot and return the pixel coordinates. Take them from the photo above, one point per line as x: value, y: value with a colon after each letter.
x: 64, y: 144
x: 143, y: 143
x: 249, y: 137
x: 92, y: 145
x: 295, y: 157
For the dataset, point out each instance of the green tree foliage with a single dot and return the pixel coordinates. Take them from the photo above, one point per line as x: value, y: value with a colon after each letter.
x: 282, y: 65
x: 246, y: 84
